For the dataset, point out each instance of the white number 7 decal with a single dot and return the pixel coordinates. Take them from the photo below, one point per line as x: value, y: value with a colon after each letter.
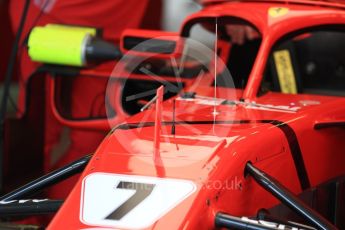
x: 141, y: 192
x: 130, y: 201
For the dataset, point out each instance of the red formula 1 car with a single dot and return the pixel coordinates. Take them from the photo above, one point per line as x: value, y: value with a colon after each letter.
x: 250, y: 136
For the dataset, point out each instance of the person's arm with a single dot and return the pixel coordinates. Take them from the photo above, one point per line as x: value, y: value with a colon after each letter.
x: 240, y: 33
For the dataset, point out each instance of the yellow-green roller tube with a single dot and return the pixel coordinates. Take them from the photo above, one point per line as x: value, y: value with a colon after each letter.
x: 58, y: 46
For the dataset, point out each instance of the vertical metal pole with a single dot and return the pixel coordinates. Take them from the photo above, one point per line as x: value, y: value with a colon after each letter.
x: 7, y: 84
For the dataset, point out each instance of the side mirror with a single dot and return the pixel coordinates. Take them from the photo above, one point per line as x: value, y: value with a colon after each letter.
x: 159, y: 44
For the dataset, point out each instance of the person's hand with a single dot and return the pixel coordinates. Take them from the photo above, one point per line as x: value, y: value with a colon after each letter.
x: 240, y: 33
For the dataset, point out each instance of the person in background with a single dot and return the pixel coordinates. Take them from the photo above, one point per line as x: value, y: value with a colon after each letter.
x: 112, y: 16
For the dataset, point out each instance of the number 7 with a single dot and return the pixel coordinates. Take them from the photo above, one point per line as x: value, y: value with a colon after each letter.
x: 141, y: 192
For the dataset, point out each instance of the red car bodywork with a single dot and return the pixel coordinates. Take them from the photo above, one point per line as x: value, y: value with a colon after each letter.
x: 279, y: 134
